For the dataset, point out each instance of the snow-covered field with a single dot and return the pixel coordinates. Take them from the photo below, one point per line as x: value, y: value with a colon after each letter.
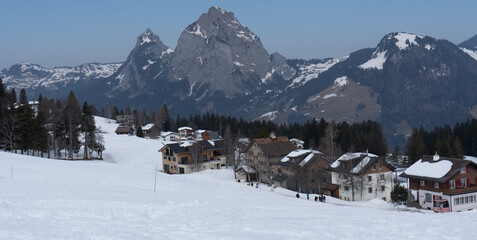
x: 114, y: 199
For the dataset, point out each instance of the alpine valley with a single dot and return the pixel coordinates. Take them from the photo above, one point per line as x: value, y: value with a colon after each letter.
x: 221, y: 66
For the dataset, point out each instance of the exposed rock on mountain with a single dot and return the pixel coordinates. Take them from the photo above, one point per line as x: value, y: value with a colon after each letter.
x: 220, y: 54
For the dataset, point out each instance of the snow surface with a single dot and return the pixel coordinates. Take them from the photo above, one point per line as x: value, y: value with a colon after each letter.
x: 269, y: 115
x: 341, y: 82
x: 308, y: 72
x: 403, y: 37
x: 197, y: 31
x: 55, y: 199
x: 429, y: 169
x: 34, y: 76
x: 471, y: 53
x: 330, y: 95
x: 378, y: 60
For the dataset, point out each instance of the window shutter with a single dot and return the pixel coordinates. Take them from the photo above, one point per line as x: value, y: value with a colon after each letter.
x: 467, y: 168
x: 457, y: 183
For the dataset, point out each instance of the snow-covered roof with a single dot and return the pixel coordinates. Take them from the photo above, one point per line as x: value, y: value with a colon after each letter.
x: 165, y: 134
x: 200, y: 131
x: 299, y: 153
x: 436, y: 169
x: 471, y: 158
x: 148, y: 126
x: 361, y: 165
x: 348, y: 156
x: 306, y: 160
x: 186, y: 144
x: 184, y: 128
x: 246, y: 169
x: 297, y: 140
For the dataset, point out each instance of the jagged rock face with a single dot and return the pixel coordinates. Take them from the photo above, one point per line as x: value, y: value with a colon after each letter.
x: 148, y: 58
x: 220, y: 53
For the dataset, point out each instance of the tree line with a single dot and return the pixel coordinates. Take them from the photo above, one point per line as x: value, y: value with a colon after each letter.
x: 446, y: 141
x: 329, y: 137
x: 55, y: 128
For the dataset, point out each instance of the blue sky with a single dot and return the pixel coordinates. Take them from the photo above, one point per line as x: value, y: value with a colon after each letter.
x: 67, y: 33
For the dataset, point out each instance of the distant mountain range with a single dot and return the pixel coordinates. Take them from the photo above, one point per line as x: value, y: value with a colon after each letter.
x: 219, y: 65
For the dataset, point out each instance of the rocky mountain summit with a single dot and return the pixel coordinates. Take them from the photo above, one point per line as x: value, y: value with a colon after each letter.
x: 218, y: 53
x: 221, y: 66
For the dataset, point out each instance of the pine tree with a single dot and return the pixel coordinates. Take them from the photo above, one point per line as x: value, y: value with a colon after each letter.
x: 88, y: 128
x: 13, y: 96
x: 139, y: 132
x: 72, y: 119
x: 23, y: 97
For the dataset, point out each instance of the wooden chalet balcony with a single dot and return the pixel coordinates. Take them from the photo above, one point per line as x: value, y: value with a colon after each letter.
x: 457, y: 190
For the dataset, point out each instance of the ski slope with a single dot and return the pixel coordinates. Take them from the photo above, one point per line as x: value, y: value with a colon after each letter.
x: 115, y: 199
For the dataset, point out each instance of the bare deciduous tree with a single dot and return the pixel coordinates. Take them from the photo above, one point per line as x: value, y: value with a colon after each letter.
x: 196, y: 154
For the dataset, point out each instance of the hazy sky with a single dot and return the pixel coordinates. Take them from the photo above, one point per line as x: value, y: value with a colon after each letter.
x: 68, y: 33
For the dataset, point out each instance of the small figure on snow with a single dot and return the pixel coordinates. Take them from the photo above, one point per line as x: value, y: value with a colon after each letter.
x: 316, y: 198
x: 307, y: 196
x: 297, y: 195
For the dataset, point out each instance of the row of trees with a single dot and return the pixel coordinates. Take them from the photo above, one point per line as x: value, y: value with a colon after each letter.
x: 329, y: 137
x: 446, y: 141
x: 48, y: 126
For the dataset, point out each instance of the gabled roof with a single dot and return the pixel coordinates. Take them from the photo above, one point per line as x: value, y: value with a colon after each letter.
x: 165, y: 134
x: 183, y: 147
x: 246, y: 168
x: 302, y: 157
x: 148, y: 126
x: 123, y: 129
x: 435, y: 168
x: 356, y: 163
x: 280, y: 146
x: 185, y: 128
x: 296, y: 140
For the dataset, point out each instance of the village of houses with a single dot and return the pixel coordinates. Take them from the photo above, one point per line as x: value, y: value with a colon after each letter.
x: 437, y: 183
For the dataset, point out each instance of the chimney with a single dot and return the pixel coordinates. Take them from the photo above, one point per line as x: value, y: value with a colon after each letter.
x: 435, y: 157
x: 273, y: 136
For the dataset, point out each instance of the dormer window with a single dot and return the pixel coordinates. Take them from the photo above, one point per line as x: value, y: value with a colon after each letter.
x: 436, y: 185
x: 463, y: 170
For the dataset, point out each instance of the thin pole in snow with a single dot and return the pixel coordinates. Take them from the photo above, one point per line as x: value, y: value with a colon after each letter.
x: 155, y: 178
x: 11, y: 173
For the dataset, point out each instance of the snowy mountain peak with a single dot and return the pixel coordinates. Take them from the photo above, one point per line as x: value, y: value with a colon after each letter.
x: 218, y: 51
x: 147, y: 37
x: 401, y: 41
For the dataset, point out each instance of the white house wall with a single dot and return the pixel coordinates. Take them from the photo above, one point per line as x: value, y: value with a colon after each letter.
x: 365, y: 196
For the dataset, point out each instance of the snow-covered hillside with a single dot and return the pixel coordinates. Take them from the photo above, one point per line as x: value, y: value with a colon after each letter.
x: 114, y: 199
x: 31, y: 76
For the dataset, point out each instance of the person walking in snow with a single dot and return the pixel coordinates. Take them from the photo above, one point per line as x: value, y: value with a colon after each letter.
x: 297, y: 195
x: 307, y: 196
